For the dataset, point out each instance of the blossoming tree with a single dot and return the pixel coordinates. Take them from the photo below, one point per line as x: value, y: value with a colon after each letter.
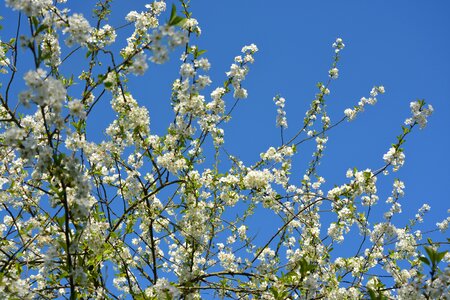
x: 146, y: 216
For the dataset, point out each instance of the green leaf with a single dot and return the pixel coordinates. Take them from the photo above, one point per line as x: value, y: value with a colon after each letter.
x: 372, y: 294
x: 35, y: 21
x: 177, y: 21
x: 173, y: 13
x: 424, y: 260
x: 440, y: 256
x: 40, y: 29
x: 431, y: 253
x: 201, y: 52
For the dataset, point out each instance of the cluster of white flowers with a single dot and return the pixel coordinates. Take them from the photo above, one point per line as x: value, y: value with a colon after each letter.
x: 394, y: 157
x: 338, y: 45
x: 188, y: 102
x: 242, y: 232
x: 333, y: 73
x: 372, y: 100
x: 395, y: 208
x: 12, y: 286
x: 420, y: 113
x: 4, y: 60
x: 172, y: 162
x: 79, y: 30
x: 364, y: 182
x: 336, y: 232
x: 320, y: 144
x: 43, y: 90
x: 160, y: 52
x: 256, y: 179
x: 157, y: 7
x: 281, y: 113
x: 422, y: 211
x: 103, y: 36
x: 228, y: 194
x: 14, y: 135
x: 30, y: 7
x: 76, y: 108
x: 266, y: 256
x: 278, y: 155
x: 202, y: 81
x: 443, y: 226
x: 239, y: 70
x: 202, y: 63
x: 139, y: 64
x: 187, y: 70
x: 111, y: 81
x: 406, y: 243
x: 143, y: 20
x: 369, y: 200
x: 191, y: 25
x: 193, y: 222
x: 228, y: 261
x: 142, y: 39
x: 133, y: 120
x: 163, y: 289
x: 217, y: 105
x: 398, y: 190
x: 50, y: 48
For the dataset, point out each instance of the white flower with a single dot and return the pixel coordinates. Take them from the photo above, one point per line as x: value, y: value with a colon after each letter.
x: 350, y: 114
x: 334, y: 73
x: 203, y: 81
x: 103, y: 36
x: 202, y: 63
x: 281, y: 113
x: 139, y: 65
x: 4, y: 61
x: 227, y: 261
x: 443, y: 226
x: 77, y: 109
x: 171, y: 162
x: 43, y: 90
x: 338, y: 45
x: 50, y: 49
x: 242, y: 230
x: 335, y: 232
x: 187, y: 70
x: 157, y: 7
x: 30, y: 7
x: 395, y: 157
x: 420, y: 113
x: 79, y: 30
x: 257, y: 179
x: 240, y: 93
x: 163, y: 288
x: 252, y: 48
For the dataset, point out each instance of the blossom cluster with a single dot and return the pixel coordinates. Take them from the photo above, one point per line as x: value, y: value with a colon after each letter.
x: 395, y: 157
x: 420, y: 113
x: 239, y: 70
x: 43, y: 90
x: 281, y: 116
x: 351, y: 113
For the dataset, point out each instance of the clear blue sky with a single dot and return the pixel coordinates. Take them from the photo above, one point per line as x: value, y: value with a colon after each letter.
x: 403, y: 45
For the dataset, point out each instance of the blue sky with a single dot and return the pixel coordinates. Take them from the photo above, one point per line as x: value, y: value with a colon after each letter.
x: 403, y: 45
